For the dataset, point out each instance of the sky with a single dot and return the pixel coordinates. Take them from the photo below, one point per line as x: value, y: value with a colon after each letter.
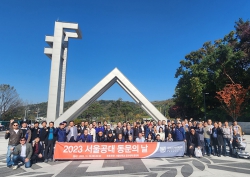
x: 144, y: 39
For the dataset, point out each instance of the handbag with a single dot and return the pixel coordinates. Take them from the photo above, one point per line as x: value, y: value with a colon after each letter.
x: 197, y: 152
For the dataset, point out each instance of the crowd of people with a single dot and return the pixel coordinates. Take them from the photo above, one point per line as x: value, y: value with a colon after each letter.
x: 29, y: 144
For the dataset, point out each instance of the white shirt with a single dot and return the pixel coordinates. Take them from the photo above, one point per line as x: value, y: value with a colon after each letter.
x: 15, y: 130
x: 23, y: 151
x: 72, y: 131
x: 92, y: 132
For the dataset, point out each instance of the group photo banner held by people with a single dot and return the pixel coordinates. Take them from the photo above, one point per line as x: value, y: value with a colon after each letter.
x: 118, y: 150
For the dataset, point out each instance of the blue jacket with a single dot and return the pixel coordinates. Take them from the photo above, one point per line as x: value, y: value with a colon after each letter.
x: 121, y: 141
x: 179, y: 134
x: 98, y: 129
x: 84, y: 138
x: 148, y: 131
x: 61, y: 134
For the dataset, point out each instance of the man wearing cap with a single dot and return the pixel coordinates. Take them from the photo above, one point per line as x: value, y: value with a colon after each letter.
x: 179, y: 132
x: 61, y: 133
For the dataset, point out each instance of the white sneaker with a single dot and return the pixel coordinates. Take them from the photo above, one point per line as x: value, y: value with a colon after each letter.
x: 15, y: 167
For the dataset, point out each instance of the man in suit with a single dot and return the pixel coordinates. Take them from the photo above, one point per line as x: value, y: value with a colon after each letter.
x: 81, y: 128
x: 128, y: 132
x: 72, y: 135
x: 22, y: 153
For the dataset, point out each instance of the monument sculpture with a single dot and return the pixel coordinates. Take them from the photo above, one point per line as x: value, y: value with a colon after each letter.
x: 57, y: 52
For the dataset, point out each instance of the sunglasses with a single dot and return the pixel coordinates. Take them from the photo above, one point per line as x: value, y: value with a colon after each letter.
x: 22, y: 140
x: 15, y: 125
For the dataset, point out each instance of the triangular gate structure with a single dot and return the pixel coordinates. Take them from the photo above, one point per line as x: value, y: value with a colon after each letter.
x: 115, y: 76
x: 57, y: 52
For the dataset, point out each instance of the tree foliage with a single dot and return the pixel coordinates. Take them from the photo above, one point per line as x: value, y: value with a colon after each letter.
x: 210, y: 68
x: 232, y: 97
x: 9, y: 101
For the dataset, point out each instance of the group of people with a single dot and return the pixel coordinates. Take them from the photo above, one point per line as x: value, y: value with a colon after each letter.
x: 29, y: 144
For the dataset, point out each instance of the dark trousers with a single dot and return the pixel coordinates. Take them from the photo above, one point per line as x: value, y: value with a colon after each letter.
x: 49, y: 149
x: 72, y: 139
x: 202, y: 147
x: 227, y: 142
x: 191, y: 148
x: 217, y: 149
x: 35, y: 158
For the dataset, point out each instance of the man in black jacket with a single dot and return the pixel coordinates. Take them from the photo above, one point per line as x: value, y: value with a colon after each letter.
x: 100, y: 137
x: 37, y: 150
x: 193, y: 142
x: 34, y: 132
x: 49, y: 142
x: 217, y: 138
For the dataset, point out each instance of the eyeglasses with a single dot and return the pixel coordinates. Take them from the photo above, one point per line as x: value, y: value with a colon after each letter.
x: 15, y: 125
x: 22, y: 140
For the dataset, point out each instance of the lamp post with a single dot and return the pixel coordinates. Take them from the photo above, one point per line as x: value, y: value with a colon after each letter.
x: 204, y: 96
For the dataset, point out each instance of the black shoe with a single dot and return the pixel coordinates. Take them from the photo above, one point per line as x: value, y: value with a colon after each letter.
x: 219, y: 155
x: 50, y: 160
x: 46, y: 160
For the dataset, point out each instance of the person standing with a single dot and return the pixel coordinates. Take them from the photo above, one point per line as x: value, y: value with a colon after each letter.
x: 14, y: 135
x: 92, y: 132
x: 22, y: 153
x: 227, y: 138
x: 61, y: 133
x: 179, y: 132
x: 34, y: 132
x: 207, y: 140
x: 26, y: 131
x: 49, y: 143
x: 81, y: 128
x: 193, y: 141
x: 128, y: 132
x: 72, y: 135
x: 217, y: 139
x: 200, y: 132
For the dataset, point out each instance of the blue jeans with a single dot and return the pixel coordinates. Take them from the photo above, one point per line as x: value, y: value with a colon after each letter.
x: 8, y: 156
x: 207, y: 145
x: 227, y: 142
x: 18, y: 158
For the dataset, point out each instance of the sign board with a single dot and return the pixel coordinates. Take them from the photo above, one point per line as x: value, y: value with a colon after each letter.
x: 82, y: 150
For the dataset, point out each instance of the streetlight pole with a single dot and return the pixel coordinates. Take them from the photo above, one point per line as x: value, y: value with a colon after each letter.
x: 204, y: 97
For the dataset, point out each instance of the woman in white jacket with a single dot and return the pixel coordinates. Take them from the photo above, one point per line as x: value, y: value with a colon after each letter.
x: 162, y: 134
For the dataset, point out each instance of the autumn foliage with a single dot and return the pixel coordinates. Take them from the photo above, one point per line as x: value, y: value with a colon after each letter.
x: 232, y: 98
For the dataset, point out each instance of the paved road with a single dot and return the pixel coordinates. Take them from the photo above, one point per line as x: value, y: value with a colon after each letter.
x: 158, y: 167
